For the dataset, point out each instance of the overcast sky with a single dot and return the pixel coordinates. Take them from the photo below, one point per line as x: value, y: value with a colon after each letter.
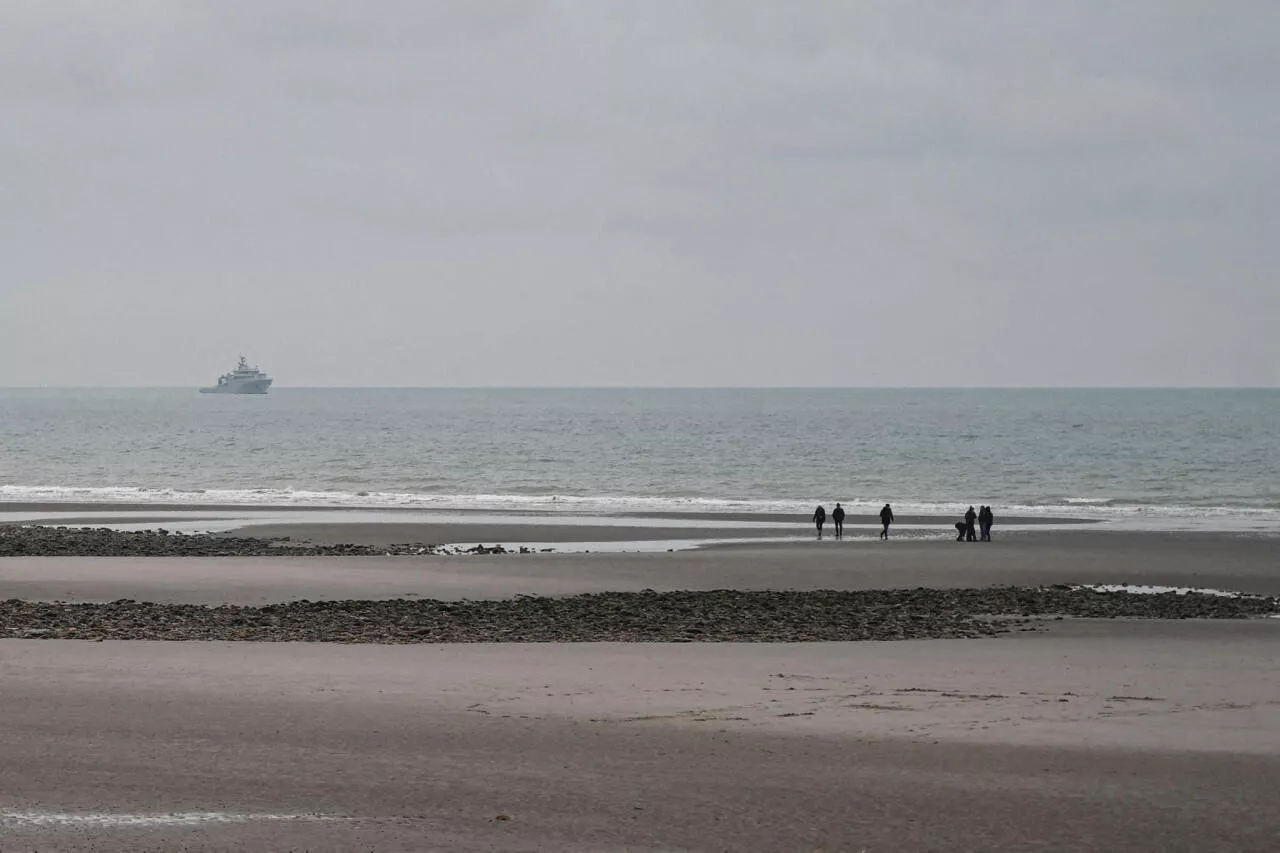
x: 403, y: 192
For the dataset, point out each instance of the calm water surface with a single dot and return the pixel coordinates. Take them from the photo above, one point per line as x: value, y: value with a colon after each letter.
x: 1175, y: 453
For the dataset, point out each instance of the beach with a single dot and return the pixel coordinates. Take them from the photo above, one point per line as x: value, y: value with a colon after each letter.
x: 453, y: 426
x: 1055, y: 734
x: 1132, y: 735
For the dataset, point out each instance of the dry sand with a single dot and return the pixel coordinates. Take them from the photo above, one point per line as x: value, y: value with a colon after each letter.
x: 1115, y: 736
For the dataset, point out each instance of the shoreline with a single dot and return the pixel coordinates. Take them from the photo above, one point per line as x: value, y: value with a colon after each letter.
x: 89, y: 509
x: 561, y: 531
x: 216, y: 517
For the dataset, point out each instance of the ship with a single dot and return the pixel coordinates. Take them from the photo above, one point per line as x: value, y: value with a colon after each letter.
x: 243, y: 380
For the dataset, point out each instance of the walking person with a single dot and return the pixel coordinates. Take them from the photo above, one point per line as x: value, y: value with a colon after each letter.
x: 886, y: 518
x: 970, y: 535
x: 985, y: 520
x: 837, y: 517
x: 820, y: 518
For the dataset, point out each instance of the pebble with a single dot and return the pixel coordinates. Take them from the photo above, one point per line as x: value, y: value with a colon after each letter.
x: 682, y: 616
x: 42, y: 541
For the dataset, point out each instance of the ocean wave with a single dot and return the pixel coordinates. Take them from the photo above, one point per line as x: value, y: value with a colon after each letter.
x: 1102, y: 509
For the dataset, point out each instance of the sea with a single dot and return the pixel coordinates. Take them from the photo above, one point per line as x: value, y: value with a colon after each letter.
x: 1151, y: 458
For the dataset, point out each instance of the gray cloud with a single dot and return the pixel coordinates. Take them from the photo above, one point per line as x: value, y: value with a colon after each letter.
x: 522, y: 193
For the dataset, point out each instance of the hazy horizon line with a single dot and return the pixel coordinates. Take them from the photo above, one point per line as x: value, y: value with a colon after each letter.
x: 194, y: 388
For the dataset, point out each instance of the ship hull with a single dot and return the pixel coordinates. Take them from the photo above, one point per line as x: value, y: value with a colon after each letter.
x: 251, y: 386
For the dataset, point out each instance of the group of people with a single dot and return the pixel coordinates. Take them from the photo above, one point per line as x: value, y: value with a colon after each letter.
x: 965, y: 530
x: 984, y: 518
x: 837, y: 519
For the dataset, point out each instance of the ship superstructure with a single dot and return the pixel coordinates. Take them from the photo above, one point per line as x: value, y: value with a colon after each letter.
x: 243, y: 380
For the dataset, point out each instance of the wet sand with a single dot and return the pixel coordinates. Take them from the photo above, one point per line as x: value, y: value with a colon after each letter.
x: 1113, y: 736
x: 1216, y: 561
x: 534, y: 535
x: 528, y: 532
x: 389, y: 526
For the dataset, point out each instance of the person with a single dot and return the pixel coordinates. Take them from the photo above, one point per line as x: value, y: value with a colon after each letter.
x: 886, y: 518
x: 820, y: 518
x: 969, y: 518
x: 837, y: 516
x: 985, y: 520
x: 960, y: 529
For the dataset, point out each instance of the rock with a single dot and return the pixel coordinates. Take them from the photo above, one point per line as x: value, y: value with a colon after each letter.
x: 682, y: 616
x: 42, y: 541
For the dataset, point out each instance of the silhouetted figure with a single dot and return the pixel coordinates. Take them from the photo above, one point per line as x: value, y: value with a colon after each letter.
x: 837, y: 517
x: 961, y: 527
x: 985, y: 520
x: 820, y: 518
x: 886, y: 518
x: 970, y: 535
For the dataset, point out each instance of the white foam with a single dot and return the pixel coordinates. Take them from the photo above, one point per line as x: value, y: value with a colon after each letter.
x: 1145, y: 589
x: 129, y: 820
x: 410, y: 500
x: 223, y: 520
x: 1120, y: 516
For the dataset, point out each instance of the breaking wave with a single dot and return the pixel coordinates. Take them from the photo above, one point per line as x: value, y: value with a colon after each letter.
x: 1100, y: 509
